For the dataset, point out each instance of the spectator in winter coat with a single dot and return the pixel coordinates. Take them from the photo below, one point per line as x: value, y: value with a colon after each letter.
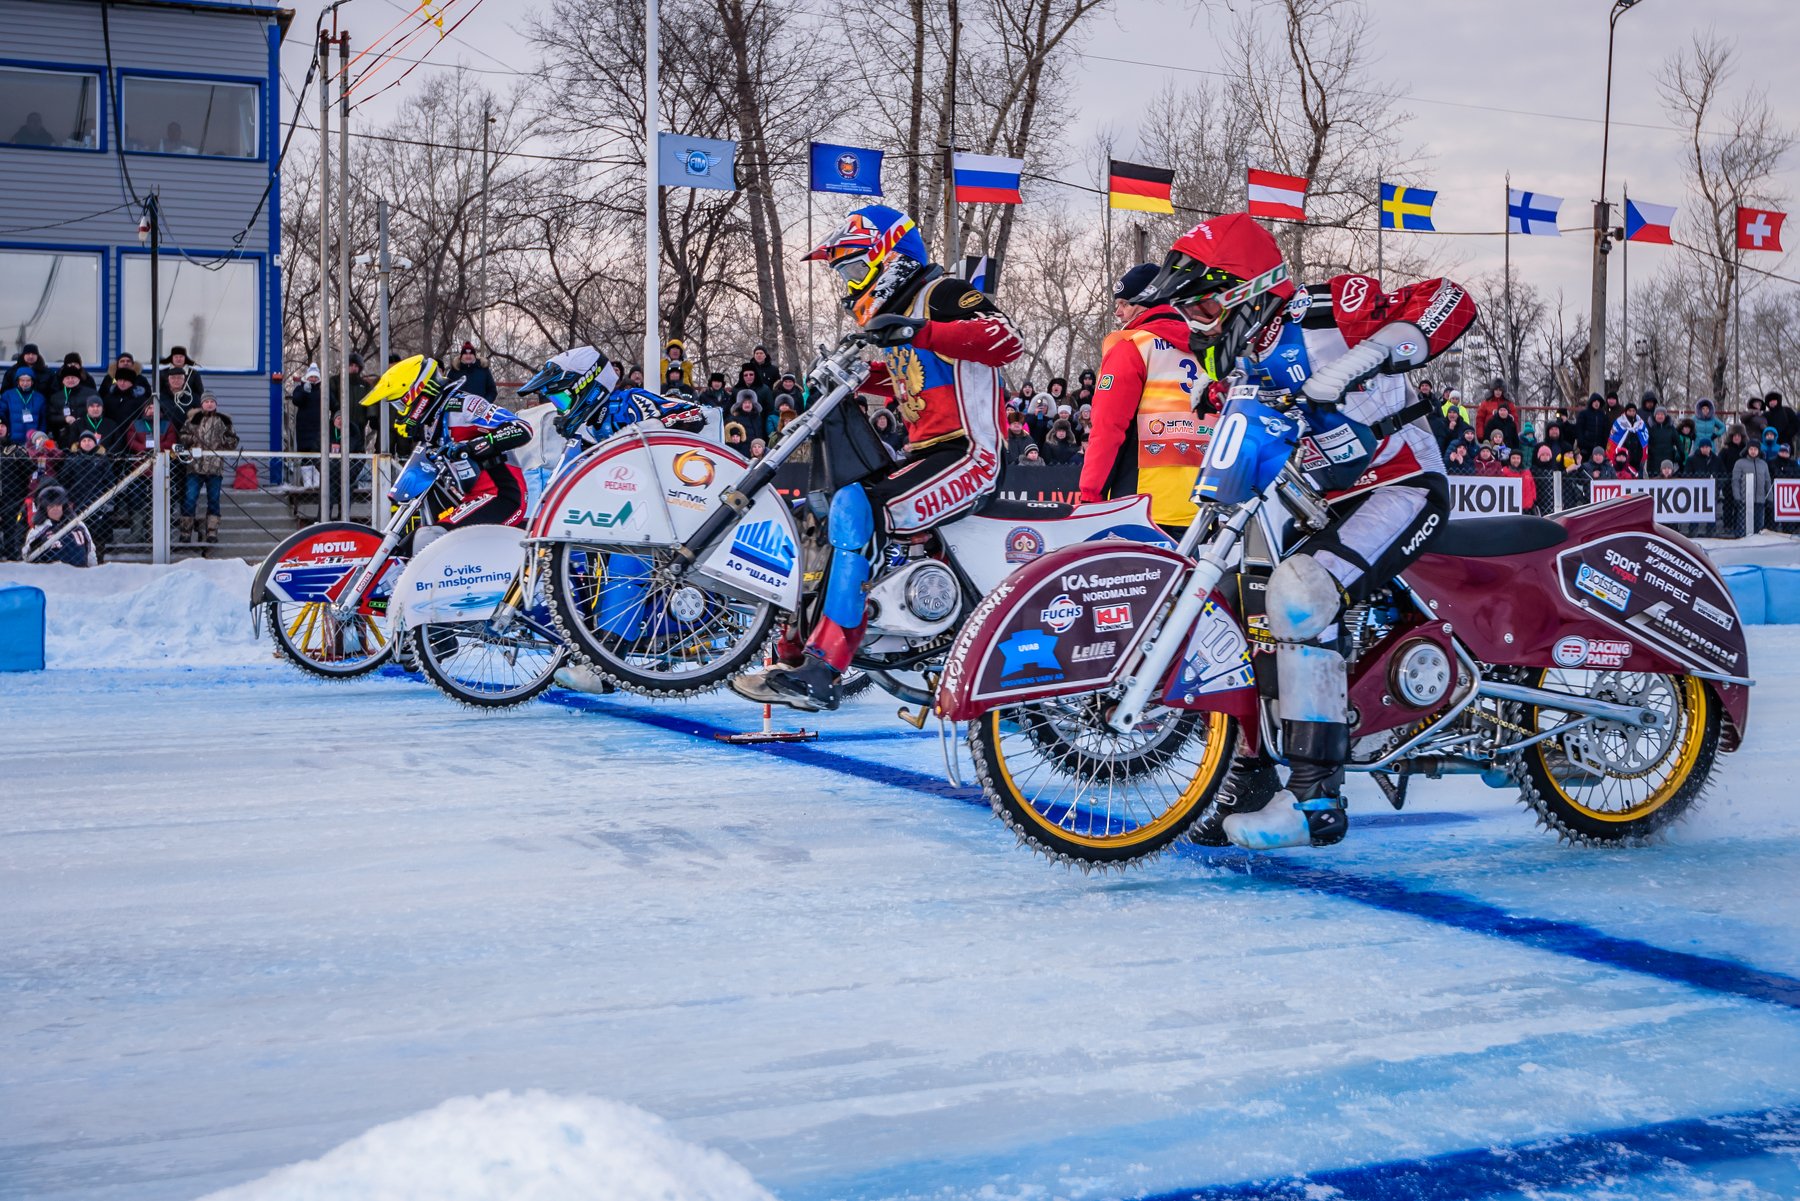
x: 1499, y: 416
x: 68, y: 404
x: 1750, y: 490
x: 715, y: 395
x: 1629, y: 436
x: 675, y: 359
x: 750, y: 379
x: 1663, y: 439
x: 1704, y: 463
x: 1017, y: 438
x: 207, y: 436
x: 178, y: 396
x: 736, y: 435
x: 87, y: 473
x: 764, y: 366
x: 889, y: 429
x: 72, y: 361
x: 1484, y: 411
x: 747, y: 414
x: 55, y: 536
x: 1486, y: 462
x: 123, y: 390
x: 477, y: 379
x: 1708, y: 425
x: 1454, y: 424
x: 1781, y: 418
x: 1060, y: 445
x: 1032, y: 455
x: 1497, y: 443
x: 1545, y: 467
x: 1591, y: 426
x: 787, y: 391
x: 29, y: 360
x: 1456, y: 460
x: 306, y: 397
x: 673, y: 385
x: 1735, y: 444
x: 178, y: 361
x: 24, y: 406
x: 1515, y: 469
x: 1623, y: 468
x: 1554, y: 438
x: 1596, y: 467
x: 1754, y: 420
x: 109, y: 433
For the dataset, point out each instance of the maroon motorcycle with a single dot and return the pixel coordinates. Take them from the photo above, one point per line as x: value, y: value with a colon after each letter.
x: 1594, y: 661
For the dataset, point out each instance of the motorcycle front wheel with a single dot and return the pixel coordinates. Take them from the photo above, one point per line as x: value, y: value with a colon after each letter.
x: 1604, y: 782
x: 1076, y: 790
x: 308, y: 635
x: 492, y: 668
x: 625, y: 612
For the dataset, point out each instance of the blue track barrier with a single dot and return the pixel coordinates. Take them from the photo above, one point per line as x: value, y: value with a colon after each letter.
x: 21, y: 628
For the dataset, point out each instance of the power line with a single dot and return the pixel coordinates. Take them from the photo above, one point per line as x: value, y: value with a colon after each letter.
x: 28, y: 229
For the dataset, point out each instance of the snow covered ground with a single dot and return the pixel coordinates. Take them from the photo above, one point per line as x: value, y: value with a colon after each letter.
x: 249, y: 916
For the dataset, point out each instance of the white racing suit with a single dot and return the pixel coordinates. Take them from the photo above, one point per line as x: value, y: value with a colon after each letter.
x: 1346, y: 345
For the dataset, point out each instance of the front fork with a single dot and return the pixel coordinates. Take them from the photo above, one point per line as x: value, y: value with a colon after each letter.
x: 370, y: 571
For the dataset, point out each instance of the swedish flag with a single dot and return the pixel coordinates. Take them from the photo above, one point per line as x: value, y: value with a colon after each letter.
x: 1407, y: 208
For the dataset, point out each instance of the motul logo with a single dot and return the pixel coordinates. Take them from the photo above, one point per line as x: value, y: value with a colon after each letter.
x: 330, y: 548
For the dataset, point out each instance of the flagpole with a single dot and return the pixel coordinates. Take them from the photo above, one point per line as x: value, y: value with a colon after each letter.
x: 1625, y: 285
x: 1507, y: 227
x: 1107, y: 236
x: 1380, y: 220
x: 1737, y: 313
x: 652, y: 169
x: 811, y: 312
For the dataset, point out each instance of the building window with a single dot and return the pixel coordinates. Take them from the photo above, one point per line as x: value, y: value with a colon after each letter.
x: 189, y: 116
x: 52, y: 110
x: 217, y: 315
x: 51, y: 300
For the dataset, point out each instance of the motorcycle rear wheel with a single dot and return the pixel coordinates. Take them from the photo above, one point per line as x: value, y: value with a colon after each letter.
x: 1075, y: 790
x: 308, y: 636
x: 681, y: 636
x: 1607, y: 783
x: 491, y: 669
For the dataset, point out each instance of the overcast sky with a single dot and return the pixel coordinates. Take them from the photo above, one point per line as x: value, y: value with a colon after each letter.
x: 1461, y: 61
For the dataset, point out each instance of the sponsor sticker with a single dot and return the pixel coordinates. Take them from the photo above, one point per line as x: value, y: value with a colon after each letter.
x: 598, y: 518
x: 1093, y: 651
x: 1602, y: 588
x: 693, y: 468
x: 1714, y: 614
x: 1570, y: 651
x: 1062, y: 612
x: 622, y: 479
x: 1112, y: 617
x: 765, y: 545
x: 1029, y: 650
x: 1023, y: 544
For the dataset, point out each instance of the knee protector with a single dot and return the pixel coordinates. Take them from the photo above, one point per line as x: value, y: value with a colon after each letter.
x: 1304, y: 599
x: 851, y: 526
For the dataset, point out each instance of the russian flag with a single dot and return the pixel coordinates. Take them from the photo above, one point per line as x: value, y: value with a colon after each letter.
x: 1279, y: 196
x: 987, y: 179
x: 1649, y: 222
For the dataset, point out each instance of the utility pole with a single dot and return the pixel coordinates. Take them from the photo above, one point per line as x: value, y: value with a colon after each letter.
x: 150, y: 227
x: 652, y: 198
x: 486, y: 124
x: 384, y: 269
x: 1603, y: 221
x: 324, y: 274
x: 344, y: 400
x: 952, y: 215
x: 1106, y: 236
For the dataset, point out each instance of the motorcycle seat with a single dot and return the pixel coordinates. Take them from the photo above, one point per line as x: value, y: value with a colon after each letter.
x: 1494, y: 537
x: 1001, y: 509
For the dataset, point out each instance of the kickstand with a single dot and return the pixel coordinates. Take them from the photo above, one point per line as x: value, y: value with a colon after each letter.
x: 952, y: 758
x: 1395, y: 793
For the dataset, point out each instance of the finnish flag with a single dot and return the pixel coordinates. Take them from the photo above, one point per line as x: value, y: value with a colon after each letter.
x: 1532, y: 213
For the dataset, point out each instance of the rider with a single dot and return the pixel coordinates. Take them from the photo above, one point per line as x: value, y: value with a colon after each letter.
x: 1146, y: 434
x: 1345, y: 346
x: 581, y: 383
x: 473, y: 433
x: 941, y: 346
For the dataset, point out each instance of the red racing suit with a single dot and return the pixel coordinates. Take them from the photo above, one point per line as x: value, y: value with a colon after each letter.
x: 495, y: 495
x: 947, y: 381
x: 1148, y: 435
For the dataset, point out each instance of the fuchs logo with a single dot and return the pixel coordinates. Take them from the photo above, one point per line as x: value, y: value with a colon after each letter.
x: 1296, y: 308
x: 766, y: 545
x: 594, y: 517
x: 1112, y: 617
x: 331, y: 548
x: 1023, y: 544
x: 1062, y: 612
x: 693, y: 468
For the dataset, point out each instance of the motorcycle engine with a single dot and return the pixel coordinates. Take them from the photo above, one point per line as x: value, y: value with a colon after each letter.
x: 918, y: 599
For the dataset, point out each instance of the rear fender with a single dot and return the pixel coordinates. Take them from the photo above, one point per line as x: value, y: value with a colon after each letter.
x: 462, y: 576
x: 1064, y: 623
x: 311, y: 563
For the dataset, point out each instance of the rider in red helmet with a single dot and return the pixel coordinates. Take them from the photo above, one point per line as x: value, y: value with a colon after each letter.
x: 1345, y: 347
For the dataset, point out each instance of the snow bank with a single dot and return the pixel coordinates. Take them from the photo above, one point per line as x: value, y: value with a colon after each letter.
x: 195, y: 613
x: 506, y: 1147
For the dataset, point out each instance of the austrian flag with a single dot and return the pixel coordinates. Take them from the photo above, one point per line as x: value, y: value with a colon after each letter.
x: 1759, y: 229
x: 1282, y: 196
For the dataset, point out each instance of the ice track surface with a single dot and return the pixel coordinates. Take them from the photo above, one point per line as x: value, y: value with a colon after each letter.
x: 248, y: 916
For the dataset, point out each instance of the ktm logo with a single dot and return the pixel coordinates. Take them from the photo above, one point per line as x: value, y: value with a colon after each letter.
x: 693, y: 468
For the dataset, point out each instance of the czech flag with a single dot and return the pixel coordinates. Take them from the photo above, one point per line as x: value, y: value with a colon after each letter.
x: 1646, y: 222
x: 987, y: 179
x: 1140, y: 188
x: 1280, y: 196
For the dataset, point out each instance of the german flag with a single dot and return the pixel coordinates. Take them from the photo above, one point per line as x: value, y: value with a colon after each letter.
x: 1135, y: 186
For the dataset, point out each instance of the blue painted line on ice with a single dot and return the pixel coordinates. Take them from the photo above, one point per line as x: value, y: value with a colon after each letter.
x: 1554, y: 1163
x: 1570, y: 939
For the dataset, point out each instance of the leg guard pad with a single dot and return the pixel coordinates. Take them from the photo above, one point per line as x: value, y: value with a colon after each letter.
x: 1315, y: 683
x: 1304, y: 599
x: 852, y: 521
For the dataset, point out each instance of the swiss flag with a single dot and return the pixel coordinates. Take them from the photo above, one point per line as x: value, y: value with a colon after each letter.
x: 1759, y: 229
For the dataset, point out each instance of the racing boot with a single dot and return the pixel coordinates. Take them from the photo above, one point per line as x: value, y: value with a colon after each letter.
x: 813, y: 686
x: 1310, y: 810
x: 1248, y: 787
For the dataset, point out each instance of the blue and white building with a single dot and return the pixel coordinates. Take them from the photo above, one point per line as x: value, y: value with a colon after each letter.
x: 103, y: 102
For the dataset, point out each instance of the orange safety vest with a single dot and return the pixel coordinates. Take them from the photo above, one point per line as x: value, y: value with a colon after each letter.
x: 1171, y: 437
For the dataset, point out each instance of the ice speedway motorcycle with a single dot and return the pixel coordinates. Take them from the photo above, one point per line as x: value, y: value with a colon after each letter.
x: 1595, y: 661
x: 668, y: 559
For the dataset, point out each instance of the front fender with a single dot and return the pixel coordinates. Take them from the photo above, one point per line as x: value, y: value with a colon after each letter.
x: 324, y: 542
x: 462, y: 576
x: 1064, y: 623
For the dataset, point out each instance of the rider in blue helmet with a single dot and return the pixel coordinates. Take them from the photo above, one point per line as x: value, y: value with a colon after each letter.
x: 942, y: 344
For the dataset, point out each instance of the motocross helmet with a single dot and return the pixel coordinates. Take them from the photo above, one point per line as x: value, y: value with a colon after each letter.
x: 1226, y: 278
x: 578, y: 382
x: 877, y: 251
x: 420, y: 391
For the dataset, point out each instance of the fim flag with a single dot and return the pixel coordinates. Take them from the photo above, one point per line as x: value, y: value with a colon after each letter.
x: 982, y: 271
x: 1532, y: 213
x: 1139, y: 188
x: 690, y: 162
x: 1407, y: 209
x: 849, y: 170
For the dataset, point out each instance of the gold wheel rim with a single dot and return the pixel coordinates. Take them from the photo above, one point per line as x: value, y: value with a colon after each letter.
x: 1690, y: 695
x: 1213, y: 727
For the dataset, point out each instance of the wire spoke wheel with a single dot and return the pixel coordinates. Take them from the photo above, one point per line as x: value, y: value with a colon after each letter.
x: 481, y: 663
x: 310, y: 635
x: 1078, y: 790
x: 1608, y: 782
x: 626, y: 613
